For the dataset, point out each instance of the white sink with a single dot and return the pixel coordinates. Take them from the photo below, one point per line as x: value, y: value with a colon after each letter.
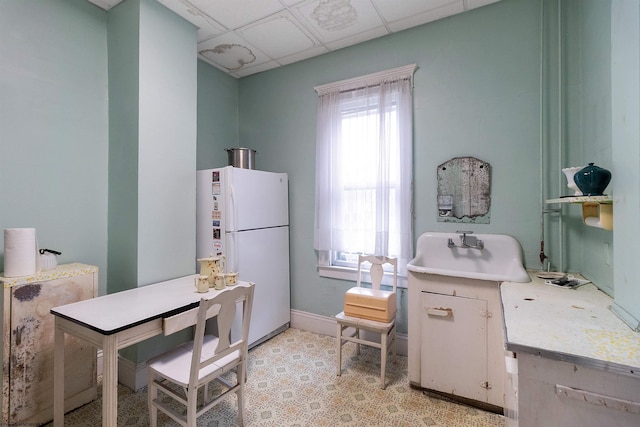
x: 499, y: 260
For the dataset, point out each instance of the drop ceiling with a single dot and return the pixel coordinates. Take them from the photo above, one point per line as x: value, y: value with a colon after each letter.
x: 244, y: 37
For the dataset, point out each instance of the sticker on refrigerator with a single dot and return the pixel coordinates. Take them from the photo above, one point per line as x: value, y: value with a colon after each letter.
x: 215, y: 188
x: 216, y: 215
x: 215, y: 176
x: 215, y: 223
x: 216, y: 234
x: 217, y: 247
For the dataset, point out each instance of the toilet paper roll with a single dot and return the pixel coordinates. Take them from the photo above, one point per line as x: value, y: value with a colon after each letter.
x: 593, y: 221
x: 20, y: 252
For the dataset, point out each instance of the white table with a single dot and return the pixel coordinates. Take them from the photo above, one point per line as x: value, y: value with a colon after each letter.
x: 116, y: 321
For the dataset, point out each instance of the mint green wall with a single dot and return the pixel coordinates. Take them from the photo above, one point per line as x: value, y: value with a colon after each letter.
x: 577, y: 129
x: 53, y: 126
x: 589, y: 115
x: 124, y: 50
x: 476, y: 94
x: 217, y: 116
x: 167, y: 144
x: 625, y: 73
x: 152, y: 151
x: 152, y: 144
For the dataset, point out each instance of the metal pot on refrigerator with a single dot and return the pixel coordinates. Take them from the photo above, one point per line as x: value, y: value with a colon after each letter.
x: 241, y: 157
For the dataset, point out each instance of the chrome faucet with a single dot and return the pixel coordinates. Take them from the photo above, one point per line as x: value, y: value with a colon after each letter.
x: 467, y: 241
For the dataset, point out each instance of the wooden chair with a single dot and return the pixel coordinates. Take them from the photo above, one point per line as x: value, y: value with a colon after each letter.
x: 348, y: 328
x: 181, y: 372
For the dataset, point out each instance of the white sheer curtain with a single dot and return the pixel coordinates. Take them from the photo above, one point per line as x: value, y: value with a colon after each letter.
x: 364, y: 168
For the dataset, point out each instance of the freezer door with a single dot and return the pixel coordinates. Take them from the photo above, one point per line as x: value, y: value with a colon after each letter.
x: 255, y: 199
x: 262, y: 257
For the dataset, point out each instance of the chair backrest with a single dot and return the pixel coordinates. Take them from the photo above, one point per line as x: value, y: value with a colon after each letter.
x: 223, y: 308
x: 377, y: 269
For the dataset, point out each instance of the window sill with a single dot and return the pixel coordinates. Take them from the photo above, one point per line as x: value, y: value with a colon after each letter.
x: 351, y: 274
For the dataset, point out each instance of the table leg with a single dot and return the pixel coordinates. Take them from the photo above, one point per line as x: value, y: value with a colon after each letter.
x: 110, y: 381
x: 58, y: 377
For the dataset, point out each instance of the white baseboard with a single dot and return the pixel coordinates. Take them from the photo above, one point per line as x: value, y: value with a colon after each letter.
x: 131, y: 374
x: 327, y: 326
x: 134, y: 375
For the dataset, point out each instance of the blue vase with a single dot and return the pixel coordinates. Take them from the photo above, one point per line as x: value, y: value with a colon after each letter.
x: 592, y: 180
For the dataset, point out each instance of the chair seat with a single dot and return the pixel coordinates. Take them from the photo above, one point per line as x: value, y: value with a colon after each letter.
x: 371, y: 325
x: 176, y: 363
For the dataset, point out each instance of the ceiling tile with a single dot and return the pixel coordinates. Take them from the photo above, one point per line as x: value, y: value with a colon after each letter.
x: 428, y: 16
x: 244, y: 37
x: 236, y: 13
x: 291, y: 2
x: 230, y: 52
x: 390, y: 10
x: 207, y: 26
x: 472, y: 4
x: 332, y: 20
x: 278, y: 35
x: 257, y: 69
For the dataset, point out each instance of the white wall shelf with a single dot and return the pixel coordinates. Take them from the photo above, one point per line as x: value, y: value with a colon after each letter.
x: 597, y: 211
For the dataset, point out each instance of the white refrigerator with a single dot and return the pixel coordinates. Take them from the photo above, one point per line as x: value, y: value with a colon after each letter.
x: 243, y: 214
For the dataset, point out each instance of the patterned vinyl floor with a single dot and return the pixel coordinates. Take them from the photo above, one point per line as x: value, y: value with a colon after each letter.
x: 293, y: 382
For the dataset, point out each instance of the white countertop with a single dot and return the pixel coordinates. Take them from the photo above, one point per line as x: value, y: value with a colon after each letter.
x: 570, y: 325
x: 111, y: 313
x: 61, y: 271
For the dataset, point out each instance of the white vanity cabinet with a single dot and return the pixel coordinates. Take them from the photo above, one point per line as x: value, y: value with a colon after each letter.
x: 27, y: 344
x: 456, y: 344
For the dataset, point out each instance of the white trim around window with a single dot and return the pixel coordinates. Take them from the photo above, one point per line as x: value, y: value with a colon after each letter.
x: 405, y: 72
x: 351, y: 274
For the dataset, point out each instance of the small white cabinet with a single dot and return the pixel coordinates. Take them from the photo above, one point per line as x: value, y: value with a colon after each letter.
x: 27, y: 344
x: 456, y: 344
x: 463, y: 369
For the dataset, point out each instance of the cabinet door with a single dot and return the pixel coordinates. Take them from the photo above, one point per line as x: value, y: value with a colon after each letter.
x: 31, y: 354
x: 454, y: 345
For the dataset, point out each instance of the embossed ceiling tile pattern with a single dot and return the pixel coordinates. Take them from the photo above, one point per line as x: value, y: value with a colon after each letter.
x: 338, y: 19
x: 207, y: 26
x: 230, y: 52
x: 234, y: 13
x: 278, y: 35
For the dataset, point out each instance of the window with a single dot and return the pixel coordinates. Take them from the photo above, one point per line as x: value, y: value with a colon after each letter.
x: 364, y: 169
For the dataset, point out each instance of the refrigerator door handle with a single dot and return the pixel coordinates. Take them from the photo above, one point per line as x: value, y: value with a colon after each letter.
x: 232, y: 216
x: 232, y: 252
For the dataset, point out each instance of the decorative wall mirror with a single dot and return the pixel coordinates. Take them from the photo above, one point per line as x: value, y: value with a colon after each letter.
x: 464, y: 191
